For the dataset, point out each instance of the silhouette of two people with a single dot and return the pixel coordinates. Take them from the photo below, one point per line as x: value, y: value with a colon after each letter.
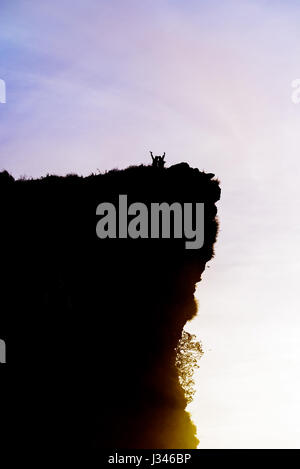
x: 158, y: 161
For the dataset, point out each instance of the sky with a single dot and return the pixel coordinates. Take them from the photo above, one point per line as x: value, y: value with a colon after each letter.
x: 96, y: 85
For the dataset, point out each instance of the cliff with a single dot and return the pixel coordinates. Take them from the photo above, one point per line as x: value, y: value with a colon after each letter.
x: 92, y: 325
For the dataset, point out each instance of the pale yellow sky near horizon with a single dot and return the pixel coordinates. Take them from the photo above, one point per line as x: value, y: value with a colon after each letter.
x: 248, y: 384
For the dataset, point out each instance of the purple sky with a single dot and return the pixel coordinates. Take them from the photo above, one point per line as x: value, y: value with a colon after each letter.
x: 99, y: 84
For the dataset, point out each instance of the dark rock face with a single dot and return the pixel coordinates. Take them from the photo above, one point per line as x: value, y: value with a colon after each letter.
x: 92, y: 325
